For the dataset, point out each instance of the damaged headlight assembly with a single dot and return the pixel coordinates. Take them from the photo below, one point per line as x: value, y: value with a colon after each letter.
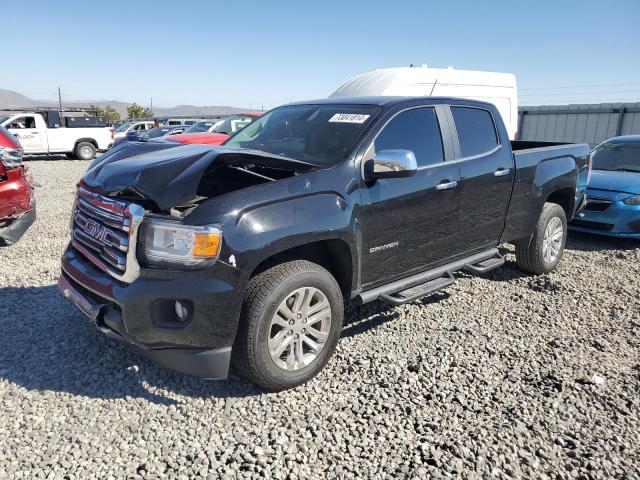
x: 172, y: 244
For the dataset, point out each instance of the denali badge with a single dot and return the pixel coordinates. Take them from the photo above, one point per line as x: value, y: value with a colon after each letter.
x: 384, y: 247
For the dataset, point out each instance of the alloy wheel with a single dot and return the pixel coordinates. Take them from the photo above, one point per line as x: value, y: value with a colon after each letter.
x: 299, y: 328
x: 552, y: 241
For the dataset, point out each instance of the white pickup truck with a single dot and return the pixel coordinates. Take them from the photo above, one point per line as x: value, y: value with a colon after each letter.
x: 36, y: 137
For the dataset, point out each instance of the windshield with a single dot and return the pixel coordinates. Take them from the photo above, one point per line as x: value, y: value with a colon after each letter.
x: 200, y: 127
x: 155, y: 132
x: 318, y: 134
x: 3, y: 118
x: 617, y: 156
x: 123, y: 127
x: 233, y: 124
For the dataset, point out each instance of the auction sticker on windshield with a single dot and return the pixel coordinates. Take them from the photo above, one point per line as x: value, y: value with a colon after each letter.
x: 349, y: 118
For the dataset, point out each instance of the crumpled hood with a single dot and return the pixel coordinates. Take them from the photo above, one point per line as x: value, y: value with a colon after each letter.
x: 169, y: 173
x: 628, y: 182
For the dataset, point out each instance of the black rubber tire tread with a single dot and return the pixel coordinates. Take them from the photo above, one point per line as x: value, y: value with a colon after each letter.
x: 529, y: 253
x: 257, y: 297
x: 82, y: 144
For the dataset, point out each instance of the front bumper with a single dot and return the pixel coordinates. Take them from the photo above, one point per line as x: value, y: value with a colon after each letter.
x: 618, y: 220
x: 141, y: 315
x: 15, y: 230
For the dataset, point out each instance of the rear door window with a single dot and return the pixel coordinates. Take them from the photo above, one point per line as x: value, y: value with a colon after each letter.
x: 416, y: 130
x: 476, y: 130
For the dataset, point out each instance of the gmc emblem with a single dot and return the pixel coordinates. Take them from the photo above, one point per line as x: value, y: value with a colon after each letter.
x: 94, y: 229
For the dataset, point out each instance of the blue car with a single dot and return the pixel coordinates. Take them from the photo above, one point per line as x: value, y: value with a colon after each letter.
x: 153, y: 134
x: 613, y: 195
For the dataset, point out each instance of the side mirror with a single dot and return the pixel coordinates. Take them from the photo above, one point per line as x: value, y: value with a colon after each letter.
x: 391, y: 164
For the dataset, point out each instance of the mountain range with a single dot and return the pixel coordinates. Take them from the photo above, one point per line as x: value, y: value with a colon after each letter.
x: 10, y: 99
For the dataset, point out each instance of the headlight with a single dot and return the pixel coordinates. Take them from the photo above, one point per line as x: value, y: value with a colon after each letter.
x: 632, y: 200
x: 168, y: 243
x: 11, y: 157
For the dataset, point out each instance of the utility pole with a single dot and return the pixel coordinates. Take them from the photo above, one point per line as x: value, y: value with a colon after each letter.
x: 59, y: 99
x: 152, y: 106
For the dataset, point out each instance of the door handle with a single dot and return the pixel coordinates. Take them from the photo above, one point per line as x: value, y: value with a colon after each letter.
x: 501, y: 172
x: 446, y: 185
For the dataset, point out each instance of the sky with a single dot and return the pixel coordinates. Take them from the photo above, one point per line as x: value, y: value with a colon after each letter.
x: 254, y: 53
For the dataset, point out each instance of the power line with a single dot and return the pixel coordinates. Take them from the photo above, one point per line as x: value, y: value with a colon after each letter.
x: 581, y: 102
x: 583, y: 86
x: 609, y: 92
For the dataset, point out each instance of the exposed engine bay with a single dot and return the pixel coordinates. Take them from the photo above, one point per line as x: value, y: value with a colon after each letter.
x: 165, y: 178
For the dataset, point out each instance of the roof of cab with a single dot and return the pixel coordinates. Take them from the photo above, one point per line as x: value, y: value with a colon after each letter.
x: 625, y: 139
x: 388, y: 102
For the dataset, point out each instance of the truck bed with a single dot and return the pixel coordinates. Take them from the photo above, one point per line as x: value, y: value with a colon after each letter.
x: 540, y: 166
x: 529, y: 153
x: 518, y: 145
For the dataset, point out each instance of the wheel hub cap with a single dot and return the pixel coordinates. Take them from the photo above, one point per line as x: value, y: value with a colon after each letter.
x: 552, y: 241
x: 299, y: 328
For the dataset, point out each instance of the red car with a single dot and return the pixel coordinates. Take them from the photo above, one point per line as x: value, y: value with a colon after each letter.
x: 219, y: 132
x: 17, y: 202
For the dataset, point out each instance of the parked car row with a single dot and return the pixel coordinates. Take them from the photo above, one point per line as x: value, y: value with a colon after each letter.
x: 216, y: 133
x: 207, y: 132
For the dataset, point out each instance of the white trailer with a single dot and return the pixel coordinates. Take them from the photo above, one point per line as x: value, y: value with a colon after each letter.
x: 493, y: 87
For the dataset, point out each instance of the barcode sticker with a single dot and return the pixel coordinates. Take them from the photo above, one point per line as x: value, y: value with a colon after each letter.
x: 349, y: 118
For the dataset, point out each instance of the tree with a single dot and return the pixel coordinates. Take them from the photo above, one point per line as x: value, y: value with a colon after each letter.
x: 136, y: 111
x: 111, y: 114
x: 95, y: 111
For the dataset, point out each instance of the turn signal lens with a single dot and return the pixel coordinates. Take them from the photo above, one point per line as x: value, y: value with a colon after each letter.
x: 206, y: 244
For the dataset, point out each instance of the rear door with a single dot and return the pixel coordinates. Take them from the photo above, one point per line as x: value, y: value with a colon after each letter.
x: 409, y: 223
x: 487, y: 173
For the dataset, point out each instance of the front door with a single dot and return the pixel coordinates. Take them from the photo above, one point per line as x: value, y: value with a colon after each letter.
x: 25, y: 130
x: 409, y: 223
x: 487, y: 172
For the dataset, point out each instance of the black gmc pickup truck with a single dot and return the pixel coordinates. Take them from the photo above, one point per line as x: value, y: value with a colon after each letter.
x: 199, y: 255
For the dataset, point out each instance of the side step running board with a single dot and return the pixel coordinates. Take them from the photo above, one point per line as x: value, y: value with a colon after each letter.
x: 486, y: 265
x: 414, y: 293
x: 421, y: 281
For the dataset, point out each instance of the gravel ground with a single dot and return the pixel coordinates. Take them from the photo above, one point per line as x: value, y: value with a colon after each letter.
x: 490, y: 378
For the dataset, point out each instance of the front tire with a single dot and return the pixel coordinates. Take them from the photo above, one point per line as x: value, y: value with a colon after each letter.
x: 542, y: 252
x: 290, y: 325
x: 85, y: 151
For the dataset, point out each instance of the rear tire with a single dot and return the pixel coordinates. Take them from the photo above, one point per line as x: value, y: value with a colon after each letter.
x: 542, y: 252
x: 85, y: 151
x: 290, y: 325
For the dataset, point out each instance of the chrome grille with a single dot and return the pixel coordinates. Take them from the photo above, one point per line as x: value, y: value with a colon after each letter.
x: 104, y: 230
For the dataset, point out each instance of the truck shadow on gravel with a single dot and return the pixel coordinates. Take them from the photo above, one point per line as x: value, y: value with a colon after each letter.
x: 47, y: 345
x: 49, y: 158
